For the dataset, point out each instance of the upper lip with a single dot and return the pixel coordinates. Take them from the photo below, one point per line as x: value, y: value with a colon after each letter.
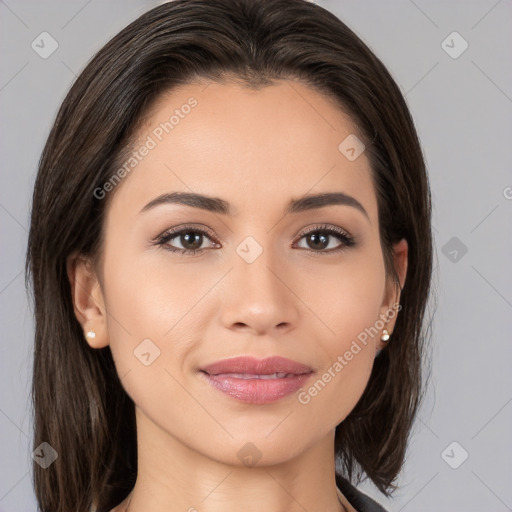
x: 253, y: 366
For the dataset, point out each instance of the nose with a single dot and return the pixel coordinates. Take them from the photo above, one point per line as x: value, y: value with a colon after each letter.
x: 259, y: 297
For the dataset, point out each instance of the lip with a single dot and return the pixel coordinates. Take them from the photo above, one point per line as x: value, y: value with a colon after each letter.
x: 256, y: 381
x: 251, y: 365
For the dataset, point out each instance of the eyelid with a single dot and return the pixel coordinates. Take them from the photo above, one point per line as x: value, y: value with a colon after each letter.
x: 176, y: 230
x: 210, y: 233
x: 347, y: 240
x: 326, y: 227
x: 344, y: 237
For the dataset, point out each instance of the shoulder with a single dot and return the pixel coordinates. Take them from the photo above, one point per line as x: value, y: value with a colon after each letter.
x: 359, y: 500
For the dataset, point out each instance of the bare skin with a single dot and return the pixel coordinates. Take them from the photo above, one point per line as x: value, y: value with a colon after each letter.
x: 257, y: 150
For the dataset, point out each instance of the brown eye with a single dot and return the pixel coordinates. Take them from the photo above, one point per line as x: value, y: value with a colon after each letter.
x: 190, y: 239
x: 320, y: 239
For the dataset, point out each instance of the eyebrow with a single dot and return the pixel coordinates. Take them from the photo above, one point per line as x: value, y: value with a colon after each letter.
x: 218, y: 205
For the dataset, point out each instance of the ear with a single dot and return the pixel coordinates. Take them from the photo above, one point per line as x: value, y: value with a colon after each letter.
x: 88, y: 301
x: 389, y: 310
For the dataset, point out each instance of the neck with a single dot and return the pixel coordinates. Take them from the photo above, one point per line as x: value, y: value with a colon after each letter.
x: 173, y: 477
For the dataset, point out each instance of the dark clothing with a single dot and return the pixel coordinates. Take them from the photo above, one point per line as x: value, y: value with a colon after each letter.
x: 360, y: 501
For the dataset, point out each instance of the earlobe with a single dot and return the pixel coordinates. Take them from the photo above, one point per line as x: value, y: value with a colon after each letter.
x: 88, y: 302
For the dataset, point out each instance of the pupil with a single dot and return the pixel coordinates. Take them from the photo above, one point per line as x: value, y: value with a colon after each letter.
x: 316, y: 237
x: 191, y: 236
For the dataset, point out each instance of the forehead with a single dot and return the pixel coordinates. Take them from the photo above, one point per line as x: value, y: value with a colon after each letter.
x: 251, y: 147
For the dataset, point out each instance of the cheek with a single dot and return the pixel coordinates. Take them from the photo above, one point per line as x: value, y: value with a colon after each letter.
x: 151, y: 334
x: 345, y: 297
x: 148, y: 311
x: 348, y: 305
x: 348, y: 356
x: 147, y: 290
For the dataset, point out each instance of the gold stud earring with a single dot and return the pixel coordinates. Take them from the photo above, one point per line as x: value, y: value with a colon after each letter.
x: 385, y: 335
x: 91, y: 335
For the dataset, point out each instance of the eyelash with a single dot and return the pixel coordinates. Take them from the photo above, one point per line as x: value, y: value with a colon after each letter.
x: 342, y: 235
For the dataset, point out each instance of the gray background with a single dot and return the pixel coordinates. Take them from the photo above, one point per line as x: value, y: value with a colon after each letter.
x: 462, y: 108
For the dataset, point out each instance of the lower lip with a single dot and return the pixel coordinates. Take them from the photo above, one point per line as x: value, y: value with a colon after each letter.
x: 257, y: 391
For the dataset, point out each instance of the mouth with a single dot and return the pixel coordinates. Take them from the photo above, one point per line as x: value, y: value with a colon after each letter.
x: 255, y: 376
x: 254, y: 381
x: 251, y: 366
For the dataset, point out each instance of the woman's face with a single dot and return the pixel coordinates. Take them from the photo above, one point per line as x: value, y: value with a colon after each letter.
x: 258, y: 284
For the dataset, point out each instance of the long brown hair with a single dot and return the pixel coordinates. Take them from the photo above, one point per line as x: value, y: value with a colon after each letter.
x: 80, y: 406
